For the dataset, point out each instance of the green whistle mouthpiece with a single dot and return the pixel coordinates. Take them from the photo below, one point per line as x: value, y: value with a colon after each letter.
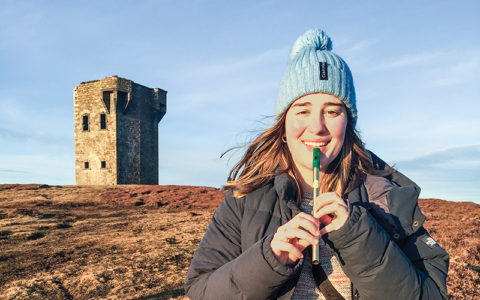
x: 316, y: 158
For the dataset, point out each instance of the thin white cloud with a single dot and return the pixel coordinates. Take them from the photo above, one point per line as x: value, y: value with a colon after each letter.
x: 451, y: 174
x: 40, y: 126
x: 37, y: 168
x: 410, y: 59
x: 416, y: 127
x: 10, y: 110
x: 9, y: 171
x: 32, y: 135
x: 199, y: 167
x: 227, y: 92
x: 357, y: 48
x: 261, y: 59
x: 464, y: 153
x: 461, y: 72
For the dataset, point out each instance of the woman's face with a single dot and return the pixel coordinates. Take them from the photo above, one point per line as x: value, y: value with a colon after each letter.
x: 315, y: 121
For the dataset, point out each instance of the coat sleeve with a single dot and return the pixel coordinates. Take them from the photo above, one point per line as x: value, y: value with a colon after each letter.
x: 409, y: 265
x: 221, y: 270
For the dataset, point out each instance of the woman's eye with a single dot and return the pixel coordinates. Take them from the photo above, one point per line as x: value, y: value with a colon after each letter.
x: 302, y: 112
x: 332, y: 113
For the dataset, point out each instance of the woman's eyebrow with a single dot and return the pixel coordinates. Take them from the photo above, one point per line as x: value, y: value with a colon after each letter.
x: 332, y: 103
x: 301, y: 104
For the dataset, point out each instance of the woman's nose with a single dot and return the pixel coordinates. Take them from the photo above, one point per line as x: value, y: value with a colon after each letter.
x: 317, y: 124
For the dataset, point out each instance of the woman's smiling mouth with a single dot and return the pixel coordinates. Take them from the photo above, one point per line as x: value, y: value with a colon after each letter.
x: 315, y: 144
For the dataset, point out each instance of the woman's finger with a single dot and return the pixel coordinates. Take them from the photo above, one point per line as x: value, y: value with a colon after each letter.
x: 331, y: 227
x: 289, y: 234
x: 334, y: 208
x: 305, y: 221
x: 300, y: 234
x: 310, y: 227
x: 325, y: 219
x: 326, y: 199
x: 279, y: 246
x: 332, y: 211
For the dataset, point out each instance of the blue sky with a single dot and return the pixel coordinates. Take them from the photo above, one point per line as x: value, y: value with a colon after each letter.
x: 416, y: 66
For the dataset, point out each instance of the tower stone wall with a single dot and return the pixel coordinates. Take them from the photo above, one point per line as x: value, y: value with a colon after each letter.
x: 126, y: 151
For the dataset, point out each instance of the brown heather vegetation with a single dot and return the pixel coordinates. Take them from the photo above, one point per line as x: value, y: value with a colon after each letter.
x: 136, y: 242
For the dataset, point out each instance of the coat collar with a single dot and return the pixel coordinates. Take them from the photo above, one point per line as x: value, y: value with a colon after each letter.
x: 286, y: 187
x: 398, y: 178
x: 287, y: 190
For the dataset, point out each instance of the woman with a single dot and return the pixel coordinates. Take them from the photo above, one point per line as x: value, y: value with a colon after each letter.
x: 367, y: 224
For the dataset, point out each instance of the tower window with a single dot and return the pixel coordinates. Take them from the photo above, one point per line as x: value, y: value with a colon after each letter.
x: 104, y: 164
x: 122, y: 101
x: 106, y: 99
x: 103, y: 121
x: 87, y: 165
x: 85, y: 123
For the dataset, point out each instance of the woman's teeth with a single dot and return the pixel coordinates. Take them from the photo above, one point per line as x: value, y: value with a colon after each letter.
x: 315, y: 144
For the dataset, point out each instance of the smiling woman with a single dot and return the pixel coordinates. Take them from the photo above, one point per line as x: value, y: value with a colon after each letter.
x: 315, y: 121
x: 366, y: 226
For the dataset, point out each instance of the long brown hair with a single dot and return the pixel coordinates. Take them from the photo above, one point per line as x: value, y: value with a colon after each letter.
x: 268, y: 156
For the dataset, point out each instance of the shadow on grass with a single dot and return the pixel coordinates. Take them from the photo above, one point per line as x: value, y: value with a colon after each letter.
x: 164, y: 295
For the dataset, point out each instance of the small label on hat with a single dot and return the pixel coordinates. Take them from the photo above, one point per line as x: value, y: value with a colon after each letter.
x: 323, y: 71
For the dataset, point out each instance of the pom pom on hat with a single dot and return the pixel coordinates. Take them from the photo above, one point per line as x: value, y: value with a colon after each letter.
x: 313, y: 38
x: 314, y: 68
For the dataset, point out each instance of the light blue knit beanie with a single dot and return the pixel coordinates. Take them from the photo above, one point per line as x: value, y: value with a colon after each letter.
x: 314, y: 68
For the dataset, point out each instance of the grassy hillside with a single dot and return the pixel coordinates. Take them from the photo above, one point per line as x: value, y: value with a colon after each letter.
x: 136, y: 242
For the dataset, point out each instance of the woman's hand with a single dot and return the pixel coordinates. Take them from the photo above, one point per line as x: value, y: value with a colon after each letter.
x: 294, y: 236
x: 332, y: 211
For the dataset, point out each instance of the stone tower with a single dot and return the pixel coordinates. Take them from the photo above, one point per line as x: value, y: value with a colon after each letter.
x: 116, y: 131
